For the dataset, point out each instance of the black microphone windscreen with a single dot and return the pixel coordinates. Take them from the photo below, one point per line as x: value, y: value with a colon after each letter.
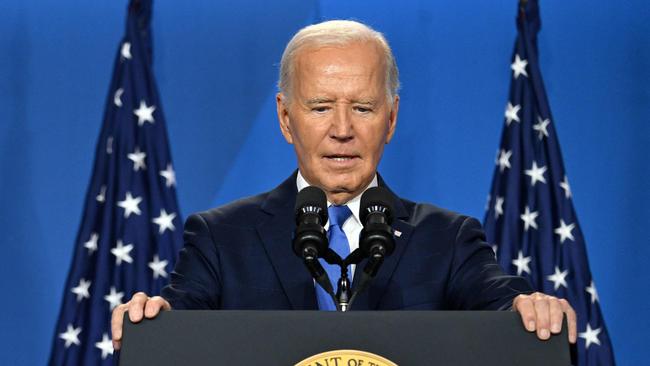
x: 310, y: 198
x: 374, y: 198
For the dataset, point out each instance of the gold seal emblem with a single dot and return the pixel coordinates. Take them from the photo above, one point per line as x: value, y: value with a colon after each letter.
x: 346, y: 357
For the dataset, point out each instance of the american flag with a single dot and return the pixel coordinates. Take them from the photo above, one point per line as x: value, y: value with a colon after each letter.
x: 130, y: 231
x: 530, y: 215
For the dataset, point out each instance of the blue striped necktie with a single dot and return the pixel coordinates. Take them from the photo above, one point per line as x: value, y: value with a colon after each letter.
x: 339, y: 243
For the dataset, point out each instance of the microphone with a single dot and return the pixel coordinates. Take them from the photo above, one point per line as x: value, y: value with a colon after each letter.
x: 376, y: 239
x: 310, y: 240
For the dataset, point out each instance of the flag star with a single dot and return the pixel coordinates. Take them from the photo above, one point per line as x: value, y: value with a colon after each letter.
x: 567, y: 188
x: 522, y: 263
x: 144, y: 113
x: 529, y: 219
x: 498, y: 206
x: 565, y: 231
x: 91, y: 244
x: 105, y: 345
x: 121, y: 253
x: 101, y: 197
x: 71, y: 336
x: 164, y: 221
x: 130, y: 205
x: 504, y: 160
x: 169, y: 175
x: 137, y: 157
x: 519, y: 67
x: 109, y: 145
x: 540, y: 127
x: 536, y: 174
x: 558, y: 278
x: 158, y: 267
x: 591, y: 289
x: 114, y: 298
x: 590, y: 336
x: 117, y: 97
x: 82, y: 289
x: 511, y: 113
x: 126, y: 50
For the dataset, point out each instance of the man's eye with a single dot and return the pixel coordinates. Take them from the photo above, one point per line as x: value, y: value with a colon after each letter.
x: 320, y: 109
x: 363, y: 109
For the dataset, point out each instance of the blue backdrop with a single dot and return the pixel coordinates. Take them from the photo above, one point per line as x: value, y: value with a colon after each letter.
x: 216, y: 65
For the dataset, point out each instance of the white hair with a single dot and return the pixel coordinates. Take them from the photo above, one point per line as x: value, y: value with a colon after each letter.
x: 336, y: 33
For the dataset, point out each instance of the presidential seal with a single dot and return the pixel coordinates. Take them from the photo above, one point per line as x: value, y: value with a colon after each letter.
x: 346, y: 357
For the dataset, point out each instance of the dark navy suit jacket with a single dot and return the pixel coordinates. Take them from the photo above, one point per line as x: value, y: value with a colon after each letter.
x: 239, y: 256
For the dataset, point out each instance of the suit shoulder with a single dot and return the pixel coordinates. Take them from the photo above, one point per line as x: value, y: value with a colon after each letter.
x: 242, y: 212
x: 436, y: 217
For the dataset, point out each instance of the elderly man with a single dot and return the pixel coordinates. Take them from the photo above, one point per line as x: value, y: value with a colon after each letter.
x: 338, y: 107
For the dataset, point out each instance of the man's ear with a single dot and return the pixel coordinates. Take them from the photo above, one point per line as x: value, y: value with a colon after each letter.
x: 281, y: 103
x: 392, y: 119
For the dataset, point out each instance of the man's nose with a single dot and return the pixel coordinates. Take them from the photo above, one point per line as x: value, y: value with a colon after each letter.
x: 342, y: 128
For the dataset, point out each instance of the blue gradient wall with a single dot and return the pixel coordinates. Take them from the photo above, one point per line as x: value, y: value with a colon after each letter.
x: 216, y: 64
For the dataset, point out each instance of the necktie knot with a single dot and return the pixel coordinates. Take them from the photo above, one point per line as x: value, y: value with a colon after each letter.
x: 338, y: 214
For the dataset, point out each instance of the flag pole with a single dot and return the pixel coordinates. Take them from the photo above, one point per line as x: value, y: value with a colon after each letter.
x: 522, y: 9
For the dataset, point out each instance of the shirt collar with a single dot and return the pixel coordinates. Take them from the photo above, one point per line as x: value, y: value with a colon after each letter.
x: 354, y: 204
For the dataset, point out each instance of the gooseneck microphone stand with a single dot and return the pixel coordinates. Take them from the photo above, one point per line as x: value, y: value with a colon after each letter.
x: 345, y: 295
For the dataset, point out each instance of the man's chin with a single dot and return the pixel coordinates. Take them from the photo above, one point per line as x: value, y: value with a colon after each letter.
x: 340, y: 198
x: 344, y: 184
x: 339, y: 183
x: 343, y: 191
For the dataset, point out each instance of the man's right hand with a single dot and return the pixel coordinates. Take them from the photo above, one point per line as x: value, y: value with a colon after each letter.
x: 138, y: 307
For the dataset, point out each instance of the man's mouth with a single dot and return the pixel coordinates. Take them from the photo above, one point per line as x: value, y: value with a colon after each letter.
x: 341, y: 157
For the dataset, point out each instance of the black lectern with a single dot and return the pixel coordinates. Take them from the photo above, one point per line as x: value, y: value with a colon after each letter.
x: 379, y: 338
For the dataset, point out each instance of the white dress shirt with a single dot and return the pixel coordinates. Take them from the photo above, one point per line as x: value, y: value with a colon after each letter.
x: 352, y: 226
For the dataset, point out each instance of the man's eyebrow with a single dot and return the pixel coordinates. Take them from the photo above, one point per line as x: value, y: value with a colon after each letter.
x: 370, y: 102
x: 318, y: 100
x: 321, y: 100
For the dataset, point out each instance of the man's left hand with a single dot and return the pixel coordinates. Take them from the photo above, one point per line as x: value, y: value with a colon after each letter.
x: 544, y: 314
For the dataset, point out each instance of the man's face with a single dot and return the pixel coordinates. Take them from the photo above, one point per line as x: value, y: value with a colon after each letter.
x: 338, y: 117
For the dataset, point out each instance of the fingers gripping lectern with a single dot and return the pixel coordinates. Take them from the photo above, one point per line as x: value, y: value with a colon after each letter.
x: 318, y: 338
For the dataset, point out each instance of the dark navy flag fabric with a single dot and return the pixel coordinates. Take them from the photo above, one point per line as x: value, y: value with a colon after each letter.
x: 530, y: 216
x: 131, y: 225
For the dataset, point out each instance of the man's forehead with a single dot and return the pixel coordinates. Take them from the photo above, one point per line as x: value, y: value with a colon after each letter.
x: 345, y: 62
x: 330, y: 58
x: 352, y: 73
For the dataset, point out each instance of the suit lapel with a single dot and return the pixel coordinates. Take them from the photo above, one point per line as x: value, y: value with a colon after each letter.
x: 276, y: 233
x: 369, y: 299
